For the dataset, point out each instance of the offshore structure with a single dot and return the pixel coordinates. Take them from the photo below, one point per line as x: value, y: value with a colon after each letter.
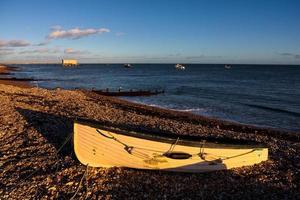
x: 69, y: 63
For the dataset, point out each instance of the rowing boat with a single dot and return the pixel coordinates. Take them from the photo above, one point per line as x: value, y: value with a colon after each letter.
x: 98, y: 146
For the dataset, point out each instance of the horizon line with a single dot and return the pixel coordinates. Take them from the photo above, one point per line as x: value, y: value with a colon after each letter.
x: 58, y: 63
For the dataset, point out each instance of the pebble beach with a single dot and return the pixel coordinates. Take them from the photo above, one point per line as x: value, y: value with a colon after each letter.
x: 36, y: 164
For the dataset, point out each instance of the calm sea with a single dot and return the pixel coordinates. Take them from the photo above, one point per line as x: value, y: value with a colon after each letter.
x: 262, y: 95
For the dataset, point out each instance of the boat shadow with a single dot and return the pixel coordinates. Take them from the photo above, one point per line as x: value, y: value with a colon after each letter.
x: 56, y: 129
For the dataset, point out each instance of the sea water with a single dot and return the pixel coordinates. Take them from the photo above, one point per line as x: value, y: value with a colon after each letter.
x: 262, y: 95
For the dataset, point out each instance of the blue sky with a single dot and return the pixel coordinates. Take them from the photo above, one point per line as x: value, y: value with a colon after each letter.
x: 140, y: 31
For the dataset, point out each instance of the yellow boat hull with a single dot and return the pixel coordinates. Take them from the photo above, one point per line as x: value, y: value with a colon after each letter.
x: 99, y: 147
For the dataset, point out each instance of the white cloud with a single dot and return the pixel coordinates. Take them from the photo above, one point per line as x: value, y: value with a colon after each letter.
x: 74, y: 33
x: 72, y: 51
x: 14, y: 43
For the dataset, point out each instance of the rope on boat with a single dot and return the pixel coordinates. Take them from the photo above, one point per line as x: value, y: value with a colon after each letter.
x: 127, y: 148
x: 201, y: 153
x: 172, y: 146
x: 168, y: 153
x: 130, y: 149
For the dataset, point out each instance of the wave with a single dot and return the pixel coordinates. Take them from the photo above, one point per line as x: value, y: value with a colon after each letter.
x: 274, y: 109
x: 192, y: 110
x: 202, y: 110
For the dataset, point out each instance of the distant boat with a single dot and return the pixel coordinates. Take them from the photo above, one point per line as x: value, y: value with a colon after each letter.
x: 127, y: 65
x: 69, y: 63
x: 227, y: 66
x: 179, y: 66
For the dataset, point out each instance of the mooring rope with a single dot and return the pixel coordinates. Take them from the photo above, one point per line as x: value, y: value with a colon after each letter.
x: 84, y: 175
x: 64, y: 143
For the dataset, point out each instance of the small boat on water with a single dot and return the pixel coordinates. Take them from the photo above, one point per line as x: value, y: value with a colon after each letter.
x: 128, y: 65
x: 99, y: 146
x: 179, y: 66
x: 227, y: 66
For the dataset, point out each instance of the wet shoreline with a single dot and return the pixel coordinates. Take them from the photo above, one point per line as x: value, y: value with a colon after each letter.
x: 6, y: 71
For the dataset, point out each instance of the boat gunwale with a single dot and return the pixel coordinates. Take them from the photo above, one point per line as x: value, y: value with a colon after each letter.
x: 186, y: 140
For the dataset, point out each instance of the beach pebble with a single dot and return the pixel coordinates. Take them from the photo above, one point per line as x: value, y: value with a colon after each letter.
x: 35, y: 122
